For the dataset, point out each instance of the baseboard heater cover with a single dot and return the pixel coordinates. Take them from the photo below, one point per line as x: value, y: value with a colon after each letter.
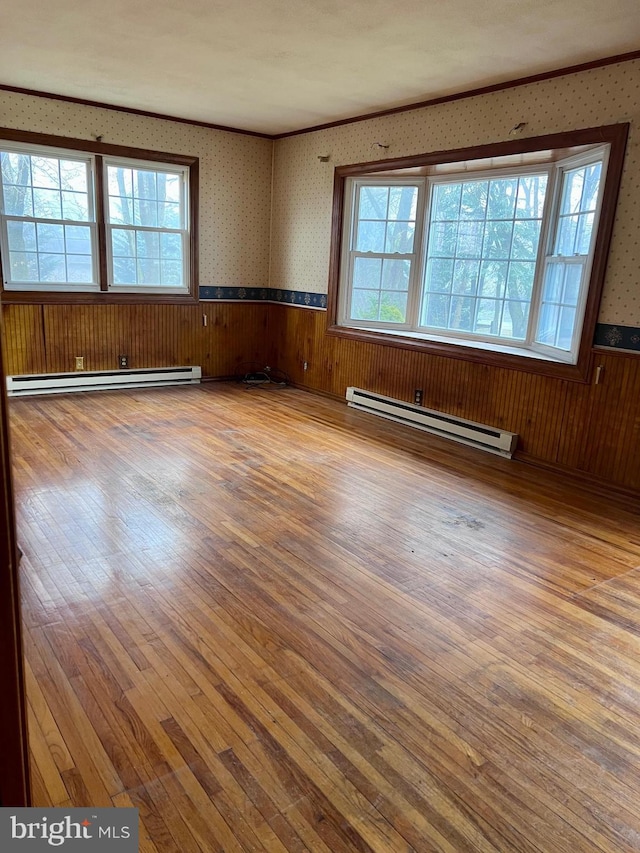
x: 94, y: 380
x: 484, y: 437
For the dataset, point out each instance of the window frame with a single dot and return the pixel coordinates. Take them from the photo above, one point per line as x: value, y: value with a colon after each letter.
x: 101, y: 154
x: 536, y: 361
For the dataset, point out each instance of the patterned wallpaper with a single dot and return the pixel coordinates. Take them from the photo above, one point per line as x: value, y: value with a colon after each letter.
x: 303, y: 185
x: 235, y: 176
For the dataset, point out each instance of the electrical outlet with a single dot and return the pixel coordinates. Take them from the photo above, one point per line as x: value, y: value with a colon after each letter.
x: 79, y: 362
x: 417, y: 396
x: 305, y: 365
x: 123, y: 361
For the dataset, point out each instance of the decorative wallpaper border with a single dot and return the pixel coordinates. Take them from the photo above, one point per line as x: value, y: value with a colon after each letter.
x: 264, y: 294
x: 617, y: 337
x: 614, y: 337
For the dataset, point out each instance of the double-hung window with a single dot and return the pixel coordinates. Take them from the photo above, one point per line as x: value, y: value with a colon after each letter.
x: 492, y: 254
x: 83, y: 222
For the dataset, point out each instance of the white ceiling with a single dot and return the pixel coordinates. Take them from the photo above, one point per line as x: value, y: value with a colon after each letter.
x: 279, y: 65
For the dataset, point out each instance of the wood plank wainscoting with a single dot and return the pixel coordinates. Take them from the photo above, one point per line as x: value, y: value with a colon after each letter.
x: 591, y: 429
x: 46, y: 338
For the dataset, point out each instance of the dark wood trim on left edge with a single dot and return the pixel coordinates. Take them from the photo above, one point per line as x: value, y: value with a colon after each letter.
x: 14, y: 754
x: 615, y: 134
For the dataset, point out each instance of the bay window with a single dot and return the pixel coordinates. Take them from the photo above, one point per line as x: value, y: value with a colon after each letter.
x: 480, y: 253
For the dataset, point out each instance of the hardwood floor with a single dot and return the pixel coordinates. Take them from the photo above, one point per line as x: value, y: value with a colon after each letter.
x: 273, y: 623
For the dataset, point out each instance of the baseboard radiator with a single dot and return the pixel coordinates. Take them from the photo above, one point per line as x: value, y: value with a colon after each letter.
x: 477, y: 435
x: 94, y: 380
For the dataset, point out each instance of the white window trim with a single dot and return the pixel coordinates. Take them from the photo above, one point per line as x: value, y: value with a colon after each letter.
x: 152, y: 166
x: 93, y: 287
x: 527, y: 348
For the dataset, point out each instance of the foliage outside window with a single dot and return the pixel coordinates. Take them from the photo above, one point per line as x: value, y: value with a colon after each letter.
x: 492, y: 252
x: 83, y: 222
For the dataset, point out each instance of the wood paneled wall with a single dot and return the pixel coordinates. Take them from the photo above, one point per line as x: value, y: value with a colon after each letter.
x: 593, y: 429
x: 47, y: 338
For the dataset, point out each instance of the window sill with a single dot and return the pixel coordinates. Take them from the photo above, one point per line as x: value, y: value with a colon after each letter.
x: 481, y: 352
x: 93, y: 297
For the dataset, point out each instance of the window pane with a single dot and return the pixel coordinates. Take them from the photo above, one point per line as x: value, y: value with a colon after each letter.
x: 572, y: 281
x: 567, y: 319
x: 79, y: 269
x: 566, y: 240
x: 22, y: 236
x: 494, y: 246
x: 75, y: 206
x: 365, y: 304
x: 474, y: 200
x: 50, y: 237
x: 366, y: 273
x: 493, y: 276
x: 52, y: 268
x: 470, y: 236
x: 370, y: 236
x: 526, y: 237
x: 584, y: 231
x: 144, y: 184
x: 147, y: 244
x: 169, y: 215
x: 24, y: 266
x: 16, y: 168
x: 148, y: 271
x: 578, y: 202
x: 462, y: 310
x: 123, y: 243
x: 515, y: 318
x: 400, y: 237
x: 520, y: 280
x: 18, y: 201
x: 488, y: 316
x: 145, y: 213
x: 395, y: 274
x: 147, y: 257
x: 120, y: 181
x: 124, y: 271
x: 47, y: 204
x: 171, y: 246
x: 439, y: 275
x: 170, y: 189
x: 443, y: 239
x: 403, y: 202
x: 373, y: 202
x: 446, y: 202
x: 393, y: 307
x: 171, y: 273
x: 465, y: 276
x: 78, y: 239
x: 45, y: 187
x: 497, y: 240
x: 435, y: 312
x: 73, y: 176
x: 120, y: 210
x: 532, y: 191
x: 502, y: 198
x: 45, y: 172
x: 553, y: 283
x: 548, y: 324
